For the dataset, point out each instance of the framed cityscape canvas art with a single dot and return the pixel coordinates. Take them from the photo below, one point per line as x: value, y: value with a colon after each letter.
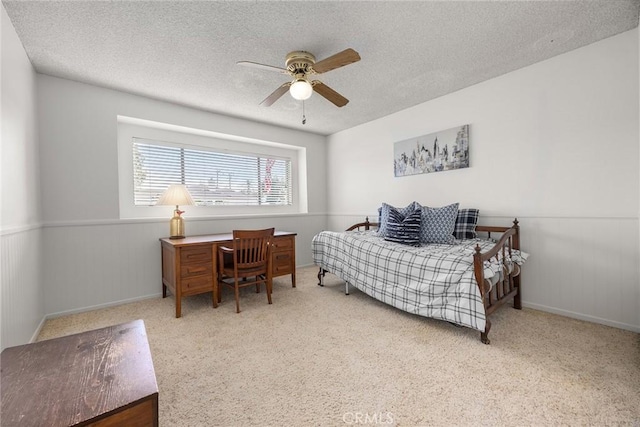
x: 440, y: 151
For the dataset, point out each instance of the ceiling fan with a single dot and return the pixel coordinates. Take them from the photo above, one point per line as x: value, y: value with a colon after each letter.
x: 301, y: 66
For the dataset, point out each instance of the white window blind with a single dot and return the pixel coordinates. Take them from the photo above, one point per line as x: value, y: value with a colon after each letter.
x: 213, y: 177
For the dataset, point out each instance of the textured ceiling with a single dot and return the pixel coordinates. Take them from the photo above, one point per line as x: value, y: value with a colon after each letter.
x: 186, y: 52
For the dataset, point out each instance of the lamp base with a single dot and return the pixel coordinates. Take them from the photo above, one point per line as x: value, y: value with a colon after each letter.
x: 176, y: 227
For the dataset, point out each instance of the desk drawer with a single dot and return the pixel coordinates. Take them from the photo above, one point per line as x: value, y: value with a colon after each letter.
x: 281, y: 263
x: 197, y: 254
x: 282, y: 243
x: 196, y: 269
x: 197, y: 284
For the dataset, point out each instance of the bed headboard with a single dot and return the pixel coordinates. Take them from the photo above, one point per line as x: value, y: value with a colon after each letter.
x: 366, y: 225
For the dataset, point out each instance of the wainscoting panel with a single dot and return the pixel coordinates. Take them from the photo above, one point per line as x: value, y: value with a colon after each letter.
x: 585, y: 268
x: 95, y: 265
x: 22, y: 291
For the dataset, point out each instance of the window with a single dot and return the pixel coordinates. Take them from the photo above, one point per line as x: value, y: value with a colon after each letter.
x: 212, y: 177
x: 227, y: 175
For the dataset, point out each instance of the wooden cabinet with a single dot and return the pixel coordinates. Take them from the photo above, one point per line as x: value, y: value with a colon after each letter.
x: 283, y: 253
x: 103, y: 377
x: 189, y: 264
x: 187, y: 268
x: 196, y: 271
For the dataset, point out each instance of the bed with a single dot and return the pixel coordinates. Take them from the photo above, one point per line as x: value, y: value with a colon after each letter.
x: 461, y: 283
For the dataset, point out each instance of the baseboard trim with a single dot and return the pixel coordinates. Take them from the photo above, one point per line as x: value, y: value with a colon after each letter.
x: 585, y: 317
x: 99, y: 306
x: 305, y: 265
x: 540, y: 307
x: 106, y: 305
x: 34, y: 337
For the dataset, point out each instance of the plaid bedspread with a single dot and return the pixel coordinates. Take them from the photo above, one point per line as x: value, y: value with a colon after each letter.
x: 434, y: 280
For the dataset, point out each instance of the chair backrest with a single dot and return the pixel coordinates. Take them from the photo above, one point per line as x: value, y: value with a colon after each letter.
x: 251, y: 248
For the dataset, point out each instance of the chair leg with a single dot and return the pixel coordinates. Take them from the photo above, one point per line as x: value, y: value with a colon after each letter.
x: 237, y: 296
x: 269, y: 286
x: 219, y: 288
x: 214, y: 296
x: 257, y: 285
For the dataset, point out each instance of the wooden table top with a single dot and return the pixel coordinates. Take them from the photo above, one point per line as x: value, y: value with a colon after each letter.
x: 69, y: 380
x: 211, y: 238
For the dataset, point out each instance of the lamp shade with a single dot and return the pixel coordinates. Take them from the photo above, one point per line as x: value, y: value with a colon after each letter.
x: 175, y: 194
x: 301, y: 89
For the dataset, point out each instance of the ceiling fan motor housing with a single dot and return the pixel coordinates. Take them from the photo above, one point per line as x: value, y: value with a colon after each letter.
x: 299, y: 62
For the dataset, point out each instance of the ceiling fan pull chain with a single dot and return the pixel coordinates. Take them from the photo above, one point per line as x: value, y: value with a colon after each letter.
x: 304, y: 117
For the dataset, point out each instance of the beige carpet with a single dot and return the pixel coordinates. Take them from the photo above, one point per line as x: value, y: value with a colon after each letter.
x: 319, y: 358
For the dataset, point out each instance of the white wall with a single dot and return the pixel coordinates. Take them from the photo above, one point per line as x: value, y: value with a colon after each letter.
x: 21, y: 296
x: 91, y: 257
x: 554, y: 144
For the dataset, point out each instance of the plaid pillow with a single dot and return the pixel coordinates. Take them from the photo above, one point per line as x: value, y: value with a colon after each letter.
x: 405, y: 230
x: 384, y: 215
x: 466, y: 224
x: 438, y: 224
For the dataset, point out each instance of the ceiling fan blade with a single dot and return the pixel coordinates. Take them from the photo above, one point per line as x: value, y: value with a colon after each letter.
x: 346, y: 57
x: 276, y: 95
x: 262, y: 66
x: 329, y: 94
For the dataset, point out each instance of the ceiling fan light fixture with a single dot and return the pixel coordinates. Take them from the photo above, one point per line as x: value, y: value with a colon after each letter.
x: 301, y: 89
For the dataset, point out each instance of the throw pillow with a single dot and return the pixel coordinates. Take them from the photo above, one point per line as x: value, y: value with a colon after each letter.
x: 384, y: 215
x: 401, y: 229
x: 438, y: 224
x: 466, y: 224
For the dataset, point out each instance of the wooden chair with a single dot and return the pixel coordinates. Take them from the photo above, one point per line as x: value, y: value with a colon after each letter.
x: 250, y: 256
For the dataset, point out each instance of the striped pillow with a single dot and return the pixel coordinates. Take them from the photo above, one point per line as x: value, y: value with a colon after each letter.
x: 383, y: 215
x: 401, y: 229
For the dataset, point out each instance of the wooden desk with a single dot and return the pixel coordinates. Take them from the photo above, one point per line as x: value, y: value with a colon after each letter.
x: 101, y: 378
x: 189, y: 265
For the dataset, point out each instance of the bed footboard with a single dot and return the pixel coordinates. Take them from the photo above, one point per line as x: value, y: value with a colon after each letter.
x: 505, y: 285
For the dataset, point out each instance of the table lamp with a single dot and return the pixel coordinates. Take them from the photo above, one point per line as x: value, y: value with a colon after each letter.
x: 176, y: 194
